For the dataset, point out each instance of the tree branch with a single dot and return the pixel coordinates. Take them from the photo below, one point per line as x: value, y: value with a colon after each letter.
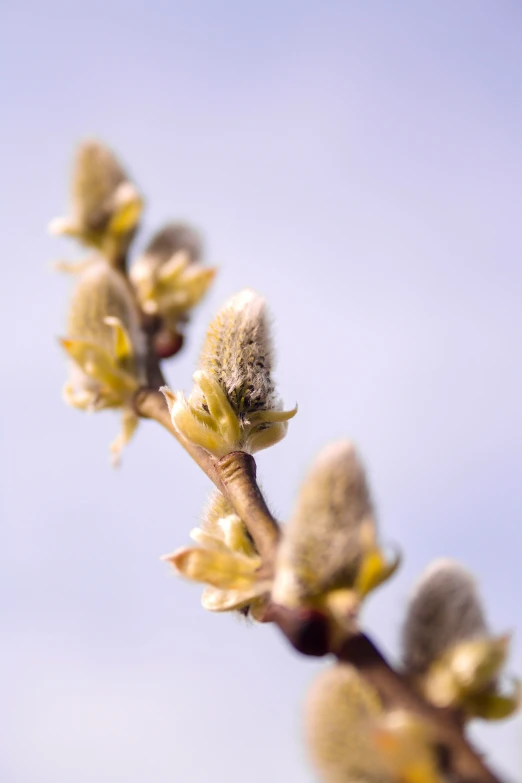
x: 235, y: 476
x: 462, y: 761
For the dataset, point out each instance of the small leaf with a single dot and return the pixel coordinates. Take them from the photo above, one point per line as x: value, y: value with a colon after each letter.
x: 127, y: 210
x: 215, y: 600
x: 219, y: 569
x: 374, y: 570
x: 219, y: 407
x: 494, y: 706
x: 207, y: 540
x: 123, y: 348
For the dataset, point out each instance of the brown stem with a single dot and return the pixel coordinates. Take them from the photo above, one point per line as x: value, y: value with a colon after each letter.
x: 234, y: 475
x: 462, y: 761
x: 237, y: 472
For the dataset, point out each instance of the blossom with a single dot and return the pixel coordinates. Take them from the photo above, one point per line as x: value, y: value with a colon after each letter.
x: 168, y: 278
x: 350, y: 736
x: 233, y: 405
x: 225, y: 560
x: 329, y: 557
x: 106, y: 205
x: 448, y: 650
x: 106, y: 346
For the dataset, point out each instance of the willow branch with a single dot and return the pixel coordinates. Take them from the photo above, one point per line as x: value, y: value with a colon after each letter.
x: 234, y: 475
x: 462, y: 761
x: 237, y: 472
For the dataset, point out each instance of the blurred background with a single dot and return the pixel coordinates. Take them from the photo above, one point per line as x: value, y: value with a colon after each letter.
x: 360, y: 165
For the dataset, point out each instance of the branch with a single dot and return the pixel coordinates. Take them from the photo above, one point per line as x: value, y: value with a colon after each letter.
x: 234, y: 475
x: 461, y: 760
x: 306, y: 629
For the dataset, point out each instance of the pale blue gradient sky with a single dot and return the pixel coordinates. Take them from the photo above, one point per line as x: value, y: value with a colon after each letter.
x: 358, y: 163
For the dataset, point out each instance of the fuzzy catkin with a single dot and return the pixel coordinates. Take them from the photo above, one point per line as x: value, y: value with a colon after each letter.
x: 238, y: 353
x: 340, y: 711
x: 444, y: 609
x: 170, y: 239
x: 102, y: 291
x: 217, y: 508
x: 97, y: 174
x: 321, y: 547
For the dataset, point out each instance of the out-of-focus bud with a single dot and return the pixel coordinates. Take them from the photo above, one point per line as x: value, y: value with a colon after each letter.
x: 444, y: 609
x: 233, y: 406
x: 329, y: 556
x: 407, y: 748
x: 168, y: 279
x: 226, y: 561
x: 106, y: 346
x: 106, y: 205
x: 447, y: 648
x: 341, y: 713
x: 352, y: 739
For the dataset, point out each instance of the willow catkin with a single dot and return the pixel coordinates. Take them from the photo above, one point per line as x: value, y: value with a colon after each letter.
x: 341, y: 711
x: 233, y: 405
x: 102, y: 292
x: 168, y: 280
x: 220, y: 521
x: 106, y: 205
x: 169, y: 240
x: 444, y: 609
x: 322, y: 543
x: 238, y: 353
x: 97, y: 175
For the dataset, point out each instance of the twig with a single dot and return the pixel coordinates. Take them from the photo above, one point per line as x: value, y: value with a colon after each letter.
x: 235, y: 476
x: 463, y: 762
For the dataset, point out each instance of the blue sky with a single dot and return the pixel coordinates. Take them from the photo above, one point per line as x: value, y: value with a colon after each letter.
x: 359, y: 164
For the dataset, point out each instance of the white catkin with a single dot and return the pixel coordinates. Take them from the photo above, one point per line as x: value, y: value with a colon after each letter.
x: 170, y: 239
x: 444, y: 609
x: 102, y: 291
x: 97, y: 174
x: 340, y: 710
x: 238, y: 352
x: 321, y: 543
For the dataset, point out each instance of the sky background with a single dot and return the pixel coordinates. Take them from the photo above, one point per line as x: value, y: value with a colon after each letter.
x: 360, y: 165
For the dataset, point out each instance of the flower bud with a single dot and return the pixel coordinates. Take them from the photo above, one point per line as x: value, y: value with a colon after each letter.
x: 106, y: 346
x: 226, y: 561
x: 444, y: 609
x: 447, y: 648
x: 341, y: 711
x: 329, y: 556
x: 352, y: 739
x: 233, y: 406
x: 106, y: 206
x: 168, y: 280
